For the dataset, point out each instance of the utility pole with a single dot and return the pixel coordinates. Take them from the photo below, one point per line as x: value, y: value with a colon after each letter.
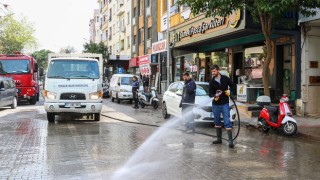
x: 168, y: 43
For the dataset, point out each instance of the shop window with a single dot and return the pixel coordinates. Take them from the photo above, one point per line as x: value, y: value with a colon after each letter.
x: 220, y: 58
x: 254, y: 59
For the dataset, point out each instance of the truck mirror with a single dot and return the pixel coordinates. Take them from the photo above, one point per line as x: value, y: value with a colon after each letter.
x: 35, y: 67
x: 40, y: 71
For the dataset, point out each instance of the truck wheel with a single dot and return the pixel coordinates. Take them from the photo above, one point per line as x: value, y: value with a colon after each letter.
x: 51, y: 117
x: 14, y: 103
x: 33, y: 100
x: 97, y: 116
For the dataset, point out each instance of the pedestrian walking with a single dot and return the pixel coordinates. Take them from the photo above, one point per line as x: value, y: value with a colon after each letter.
x: 187, y: 102
x: 145, y: 83
x: 219, y: 87
x: 135, y: 88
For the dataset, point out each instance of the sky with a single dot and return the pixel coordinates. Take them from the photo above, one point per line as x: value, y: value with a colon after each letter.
x: 58, y: 23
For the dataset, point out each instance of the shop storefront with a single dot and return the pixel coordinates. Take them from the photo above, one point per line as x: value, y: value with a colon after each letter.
x: 134, y: 66
x: 236, y: 44
x: 149, y: 67
x: 159, y: 60
x: 309, y: 102
x: 118, y: 64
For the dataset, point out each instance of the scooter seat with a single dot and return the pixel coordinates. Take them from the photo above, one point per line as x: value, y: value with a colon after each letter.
x: 147, y: 94
x: 272, y: 109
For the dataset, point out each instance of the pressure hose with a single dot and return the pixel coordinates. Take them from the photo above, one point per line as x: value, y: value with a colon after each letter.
x: 197, y: 132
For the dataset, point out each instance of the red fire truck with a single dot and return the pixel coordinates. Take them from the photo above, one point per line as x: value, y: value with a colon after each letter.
x: 24, y: 70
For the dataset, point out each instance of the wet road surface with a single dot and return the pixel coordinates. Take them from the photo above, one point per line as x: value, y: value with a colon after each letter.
x: 32, y: 148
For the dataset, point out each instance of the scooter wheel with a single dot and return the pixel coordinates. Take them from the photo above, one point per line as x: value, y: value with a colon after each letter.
x: 289, y: 128
x: 142, y: 105
x: 264, y: 127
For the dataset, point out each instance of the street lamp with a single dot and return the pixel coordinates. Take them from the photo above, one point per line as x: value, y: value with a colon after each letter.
x: 168, y: 43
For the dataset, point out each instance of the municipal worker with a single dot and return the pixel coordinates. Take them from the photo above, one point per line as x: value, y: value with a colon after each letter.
x: 135, y: 88
x: 187, y: 102
x: 219, y: 89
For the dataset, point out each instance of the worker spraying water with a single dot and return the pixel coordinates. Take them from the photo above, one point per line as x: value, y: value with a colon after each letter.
x: 219, y: 89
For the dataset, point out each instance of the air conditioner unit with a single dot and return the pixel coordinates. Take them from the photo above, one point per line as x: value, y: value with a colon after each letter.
x: 121, y: 2
x: 148, y: 11
x: 133, y: 21
x: 123, y: 29
x: 149, y: 43
x: 133, y: 48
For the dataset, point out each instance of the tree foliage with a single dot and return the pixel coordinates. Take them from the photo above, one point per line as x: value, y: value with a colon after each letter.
x: 16, y: 35
x: 68, y: 50
x: 267, y: 12
x: 42, y: 57
x: 100, y: 48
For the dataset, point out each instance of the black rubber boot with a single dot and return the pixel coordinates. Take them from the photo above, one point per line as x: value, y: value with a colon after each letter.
x: 231, y: 145
x: 219, y: 134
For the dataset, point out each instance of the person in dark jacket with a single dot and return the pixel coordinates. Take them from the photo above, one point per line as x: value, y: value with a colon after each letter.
x: 145, y: 82
x: 187, y: 102
x: 135, y: 88
x: 219, y: 87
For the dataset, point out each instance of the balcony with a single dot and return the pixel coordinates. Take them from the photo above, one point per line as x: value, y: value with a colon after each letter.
x: 120, y: 11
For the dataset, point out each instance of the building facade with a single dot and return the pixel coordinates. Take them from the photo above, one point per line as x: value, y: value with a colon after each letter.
x: 236, y: 44
x: 94, y: 27
x: 308, y: 104
x: 144, y: 33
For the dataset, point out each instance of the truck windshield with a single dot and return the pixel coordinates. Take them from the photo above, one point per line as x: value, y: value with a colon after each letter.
x: 73, y: 69
x: 14, y: 66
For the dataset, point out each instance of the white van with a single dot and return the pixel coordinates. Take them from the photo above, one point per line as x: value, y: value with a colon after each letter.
x: 121, y: 87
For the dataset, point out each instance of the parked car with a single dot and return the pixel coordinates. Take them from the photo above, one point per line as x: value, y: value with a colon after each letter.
x: 203, y: 103
x: 8, y: 93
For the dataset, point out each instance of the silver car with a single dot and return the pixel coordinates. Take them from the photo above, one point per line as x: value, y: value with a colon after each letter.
x: 8, y: 93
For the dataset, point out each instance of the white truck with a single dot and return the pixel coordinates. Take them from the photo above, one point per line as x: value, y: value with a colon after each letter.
x: 73, y: 85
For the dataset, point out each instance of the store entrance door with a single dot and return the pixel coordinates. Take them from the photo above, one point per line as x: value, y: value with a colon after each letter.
x: 237, y: 64
x: 283, y: 69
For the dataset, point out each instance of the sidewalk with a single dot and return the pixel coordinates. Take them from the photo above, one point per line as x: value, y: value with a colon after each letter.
x: 308, y: 127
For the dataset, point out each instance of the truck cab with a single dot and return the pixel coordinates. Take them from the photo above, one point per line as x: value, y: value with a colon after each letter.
x: 73, y: 86
x: 23, y: 70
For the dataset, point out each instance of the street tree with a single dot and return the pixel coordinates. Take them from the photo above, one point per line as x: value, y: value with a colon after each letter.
x: 42, y: 57
x: 16, y: 35
x: 266, y: 12
x: 99, y: 48
x: 68, y: 50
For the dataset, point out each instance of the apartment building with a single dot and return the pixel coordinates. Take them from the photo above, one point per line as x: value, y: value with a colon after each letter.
x: 116, y: 33
x: 94, y: 27
x: 144, y: 33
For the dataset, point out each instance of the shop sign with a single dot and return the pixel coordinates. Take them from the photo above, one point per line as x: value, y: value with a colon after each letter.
x: 216, y: 22
x: 144, y: 65
x: 160, y: 46
x: 164, y: 20
x: 134, y: 62
x: 242, y: 92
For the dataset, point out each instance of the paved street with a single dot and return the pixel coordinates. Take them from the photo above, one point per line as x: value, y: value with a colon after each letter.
x: 32, y: 148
